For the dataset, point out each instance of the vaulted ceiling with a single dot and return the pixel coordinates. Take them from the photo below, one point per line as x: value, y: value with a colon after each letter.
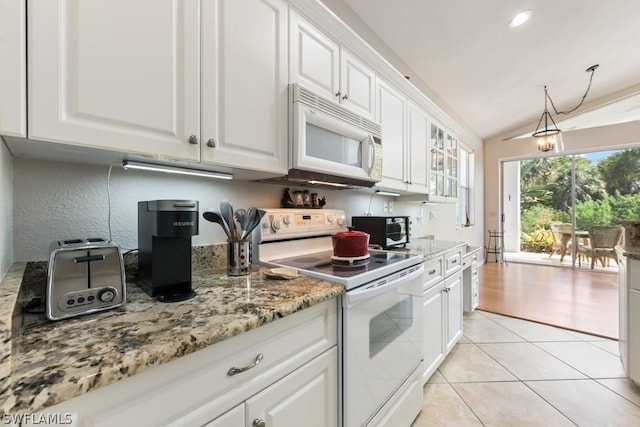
x: 493, y: 76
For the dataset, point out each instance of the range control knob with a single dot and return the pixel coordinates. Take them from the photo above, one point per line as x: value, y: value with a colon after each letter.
x: 340, y: 221
x: 107, y: 294
x: 275, y: 225
x: 330, y: 218
x: 286, y: 219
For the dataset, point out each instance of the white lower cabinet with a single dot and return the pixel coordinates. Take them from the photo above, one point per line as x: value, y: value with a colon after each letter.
x: 306, y: 397
x: 453, y: 302
x: 295, y: 381
x: 442, y: 310
x: 433, y: 329
x: 232, y: 418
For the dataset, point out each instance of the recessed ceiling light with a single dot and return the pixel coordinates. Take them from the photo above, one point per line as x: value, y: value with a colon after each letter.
x: 520, y: 18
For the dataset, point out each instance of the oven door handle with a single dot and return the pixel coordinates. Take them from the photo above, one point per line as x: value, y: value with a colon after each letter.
x: 367, y: 292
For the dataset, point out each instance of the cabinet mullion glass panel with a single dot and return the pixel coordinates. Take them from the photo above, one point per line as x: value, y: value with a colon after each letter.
x: 433, y: 184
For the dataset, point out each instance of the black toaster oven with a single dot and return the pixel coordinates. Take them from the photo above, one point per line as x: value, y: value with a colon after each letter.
x: 384, y: 231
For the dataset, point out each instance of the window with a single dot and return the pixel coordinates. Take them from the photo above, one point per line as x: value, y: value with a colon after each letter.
x: 465, y: 211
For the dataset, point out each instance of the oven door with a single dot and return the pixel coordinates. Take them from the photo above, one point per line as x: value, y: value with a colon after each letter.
x: 382, y: 342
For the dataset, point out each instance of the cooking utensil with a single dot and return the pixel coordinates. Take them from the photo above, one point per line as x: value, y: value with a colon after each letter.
x: 214, y: 215
x: 241, y: 216
x: 227, y: 213
x: 350, y: 243
x: 254, y: 216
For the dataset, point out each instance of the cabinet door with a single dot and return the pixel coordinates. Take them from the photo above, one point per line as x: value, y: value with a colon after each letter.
x: 453, y: 291
x: 244, y: 84
x: 306, y: 397
x: 357, y: 85
x: 418, y: 136
x: 437, y: 163
x: 115, y: 74
x: 391, y: 112
x: 314, y: 59
x: 232, y: 418
x: 13, y: 63
x: 433, y: 330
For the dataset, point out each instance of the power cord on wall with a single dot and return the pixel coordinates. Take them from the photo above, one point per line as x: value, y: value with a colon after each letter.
x: 129, y: 250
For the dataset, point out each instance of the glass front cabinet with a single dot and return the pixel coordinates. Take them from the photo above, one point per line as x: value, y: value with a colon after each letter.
x: 444, y: 163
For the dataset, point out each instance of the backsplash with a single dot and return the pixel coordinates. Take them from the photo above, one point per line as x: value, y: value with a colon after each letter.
x: 54, y: 201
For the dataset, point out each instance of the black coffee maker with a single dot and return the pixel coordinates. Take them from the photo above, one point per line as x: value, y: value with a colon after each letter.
x: 165, y: 228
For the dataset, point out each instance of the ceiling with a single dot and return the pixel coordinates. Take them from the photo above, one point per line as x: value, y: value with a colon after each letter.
x: 493, y: 76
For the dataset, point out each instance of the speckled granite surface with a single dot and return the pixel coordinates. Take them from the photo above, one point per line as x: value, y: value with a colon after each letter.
x: 43, y: 363
x: 631, y: 245
x: 432, y: 248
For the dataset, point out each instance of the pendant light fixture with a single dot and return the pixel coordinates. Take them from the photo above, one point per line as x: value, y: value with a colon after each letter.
x: 550, y: 138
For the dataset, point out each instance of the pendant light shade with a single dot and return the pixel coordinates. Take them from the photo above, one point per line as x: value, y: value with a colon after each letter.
x: 549, y: 137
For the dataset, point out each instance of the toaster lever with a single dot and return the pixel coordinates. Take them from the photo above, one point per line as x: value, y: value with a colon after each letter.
x: 89, y: 258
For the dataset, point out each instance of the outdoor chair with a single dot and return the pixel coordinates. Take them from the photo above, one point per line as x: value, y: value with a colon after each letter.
x: 602, y: 243
x: 557, y: 230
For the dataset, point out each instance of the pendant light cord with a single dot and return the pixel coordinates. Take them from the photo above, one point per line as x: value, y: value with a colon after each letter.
x: 592, y: 69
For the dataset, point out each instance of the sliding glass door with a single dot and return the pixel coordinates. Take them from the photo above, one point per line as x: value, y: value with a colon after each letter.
x: 551, y: 204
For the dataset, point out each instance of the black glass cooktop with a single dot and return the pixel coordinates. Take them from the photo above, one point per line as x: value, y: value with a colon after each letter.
x: 320, y: 262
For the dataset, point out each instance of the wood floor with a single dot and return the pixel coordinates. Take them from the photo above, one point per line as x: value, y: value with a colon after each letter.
x: 582, y: 301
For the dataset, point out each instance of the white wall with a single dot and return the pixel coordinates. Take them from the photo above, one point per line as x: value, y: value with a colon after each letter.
x: 6, y: 208
x: 55, y: 201
x: 443, y: 226
x: 624, y: 135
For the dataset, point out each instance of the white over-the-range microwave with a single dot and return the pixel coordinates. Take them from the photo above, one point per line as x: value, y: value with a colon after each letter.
x: 330, y: 144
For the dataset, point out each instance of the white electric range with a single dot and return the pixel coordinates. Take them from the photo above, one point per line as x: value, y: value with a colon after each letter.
x: 381, y: 316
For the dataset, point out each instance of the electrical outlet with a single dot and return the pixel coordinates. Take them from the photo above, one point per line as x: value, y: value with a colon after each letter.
x: 385, y: 207
x: 432, y: 215
x: 390, y: 207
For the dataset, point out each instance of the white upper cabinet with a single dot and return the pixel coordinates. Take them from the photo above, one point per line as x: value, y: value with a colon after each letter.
x: 13, y: 62
x: 418, y: 141
x: 357, y: 84
x: 320, y: 64
x: 391, y: 115
x: 116, y: 74
x: 443, y: 175
x: 314, y: 58
x: 244, y: 84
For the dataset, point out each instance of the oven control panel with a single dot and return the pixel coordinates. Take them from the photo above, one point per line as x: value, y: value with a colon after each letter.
x: 280, y: 224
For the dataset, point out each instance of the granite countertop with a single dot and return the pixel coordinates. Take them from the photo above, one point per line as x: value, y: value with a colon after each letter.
x: 43, y: 363
x: 430, y: 248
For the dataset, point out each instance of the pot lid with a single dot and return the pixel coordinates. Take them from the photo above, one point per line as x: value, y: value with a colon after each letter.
x: 350, y: 233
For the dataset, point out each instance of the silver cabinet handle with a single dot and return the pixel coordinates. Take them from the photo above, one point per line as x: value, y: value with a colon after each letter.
x: 345, y: 96
x: 455, y: 261
x: 193, y: 139
x: 212, y: 143
x: 259, y: 423
x: 234, y: 370
x: 338, y: 94
x: 432, y: 272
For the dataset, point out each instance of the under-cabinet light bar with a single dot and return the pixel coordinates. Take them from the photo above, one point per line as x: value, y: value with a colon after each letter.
x: 126, y: 164
x: 386, y: 193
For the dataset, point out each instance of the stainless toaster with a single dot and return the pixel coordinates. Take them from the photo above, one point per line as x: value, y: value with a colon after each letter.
x: 84, y: 276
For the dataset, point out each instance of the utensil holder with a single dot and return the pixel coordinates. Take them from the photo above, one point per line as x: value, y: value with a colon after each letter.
x: 238, y: 257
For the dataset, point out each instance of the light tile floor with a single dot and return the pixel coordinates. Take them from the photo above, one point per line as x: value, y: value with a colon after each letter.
x: 511, y: 372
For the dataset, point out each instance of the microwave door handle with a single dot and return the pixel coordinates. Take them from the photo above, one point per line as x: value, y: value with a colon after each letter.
x: 359, y: 295
x: 372, y: 153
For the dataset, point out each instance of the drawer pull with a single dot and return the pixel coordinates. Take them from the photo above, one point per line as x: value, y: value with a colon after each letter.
x: 259, y: 423
x: 455, y: 261
x: 233, y: 371
x: 432, y: 272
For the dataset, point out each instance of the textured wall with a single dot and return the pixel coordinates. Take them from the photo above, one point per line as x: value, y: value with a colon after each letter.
x: 6, y: 233
x: 55, y: 201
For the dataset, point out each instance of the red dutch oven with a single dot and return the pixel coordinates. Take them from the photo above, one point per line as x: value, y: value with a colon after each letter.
x: 350, y: 244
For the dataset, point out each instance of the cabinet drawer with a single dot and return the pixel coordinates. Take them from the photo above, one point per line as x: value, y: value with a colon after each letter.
x: 452, y: 262
x: 433, y: 272
x: 196, y: 388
